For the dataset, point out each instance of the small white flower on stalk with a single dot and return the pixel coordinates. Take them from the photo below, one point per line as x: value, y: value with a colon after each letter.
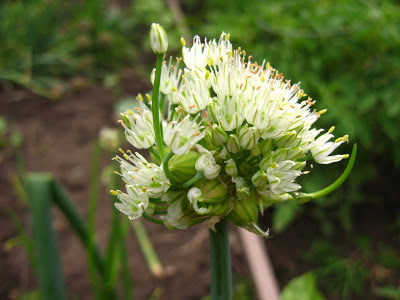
x: 137, y: 171
x: 138, y: 125
x: 281, y: 177
x: 197, y: 55
x: 321, y: 149
x: 206, y: 163
x: 133, y: 203
x: 220, y: 51
x: 170, y: 77
x: 158, y: 39
x: 184, y: 135
x: 194, y: 95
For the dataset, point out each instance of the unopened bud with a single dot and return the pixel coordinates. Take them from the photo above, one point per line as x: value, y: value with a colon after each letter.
x: 158, y: 39
x: 248, y: 136
x: 230, y: 168
x: 259, y: 179
x: 208, y: 197
x: 233, y: 144
x: 182, y: 167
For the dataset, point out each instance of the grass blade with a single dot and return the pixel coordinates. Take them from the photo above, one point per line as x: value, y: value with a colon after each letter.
x: 147, y: 248
x: 51, y: 278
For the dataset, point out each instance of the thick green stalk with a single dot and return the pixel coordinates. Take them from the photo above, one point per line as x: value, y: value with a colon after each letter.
x: 221, y: 273
x: 155, y: 107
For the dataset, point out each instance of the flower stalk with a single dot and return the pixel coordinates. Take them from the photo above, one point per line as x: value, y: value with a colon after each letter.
x: 221, y: 271
x: 155, y: 106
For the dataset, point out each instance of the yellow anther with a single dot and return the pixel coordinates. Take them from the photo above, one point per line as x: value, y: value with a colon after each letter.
x: 139, y: 97
x: 321, y: 112
x: 228, y: 36
x: 183, y: 43
x: 331, y: 129
x: 148, y: 98
x: 344, y: 156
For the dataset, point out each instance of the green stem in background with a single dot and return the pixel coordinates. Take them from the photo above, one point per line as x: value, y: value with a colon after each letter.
x: 156, y: 108
x: 172, y: 112
x: 50, y: 275
x: 340, y: 180
x: 197, y: 177
x: 167, y: 171
x: 93, y: 197
x: 221, y: 271
x: 147, y: 249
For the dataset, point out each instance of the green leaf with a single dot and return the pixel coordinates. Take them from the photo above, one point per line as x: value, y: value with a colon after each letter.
x: 51, y: 278
x: 302, y: 288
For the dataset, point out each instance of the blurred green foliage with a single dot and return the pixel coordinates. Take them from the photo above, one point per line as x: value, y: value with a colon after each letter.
x: 45, y: 41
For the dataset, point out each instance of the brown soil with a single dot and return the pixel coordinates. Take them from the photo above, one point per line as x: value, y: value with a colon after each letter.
x: 58, y: 138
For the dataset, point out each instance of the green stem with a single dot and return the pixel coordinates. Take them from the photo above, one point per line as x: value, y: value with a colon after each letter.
x: 197, y: 177
x: 167, y: 171
x: 153, y: 220
x: 156, y: 108
x: 221, y: 273
x: 340, y: 180
x: 147, y: 248
x: 172, y: 111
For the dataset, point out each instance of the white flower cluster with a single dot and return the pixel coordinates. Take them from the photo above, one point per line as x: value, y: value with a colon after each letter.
x: 251, y: 131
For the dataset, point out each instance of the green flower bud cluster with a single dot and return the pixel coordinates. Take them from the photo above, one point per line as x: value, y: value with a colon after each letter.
x: 234, y: 141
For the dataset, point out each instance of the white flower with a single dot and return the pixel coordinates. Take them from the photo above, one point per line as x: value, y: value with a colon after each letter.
x: 133, y: 203
x: 206, y: 163
x: 227, y: 111
x: 281, y: 177
x: 197, y: 56
x: 137, y: 171
x: 220, y: 51
x: 194, y: 95
x: 321, y: 148
x: 158, y: 39
x: 182, y: 136
x: 170, y: 77
x: 138, y: 125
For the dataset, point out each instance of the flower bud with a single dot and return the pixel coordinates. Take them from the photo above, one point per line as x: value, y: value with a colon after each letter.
x: 208, y: 197
x: 206, y: 163
x: 218, y: 135
x: 230, y: 168
x: 109, y: 139
x: 244, y: 211
x: 259, y: 179
x: 248, y: 136
x: 158, y: 39
x: 233, y: 144
x: 288, y: 140
x: 180, y: 213
x: 182, y: 167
